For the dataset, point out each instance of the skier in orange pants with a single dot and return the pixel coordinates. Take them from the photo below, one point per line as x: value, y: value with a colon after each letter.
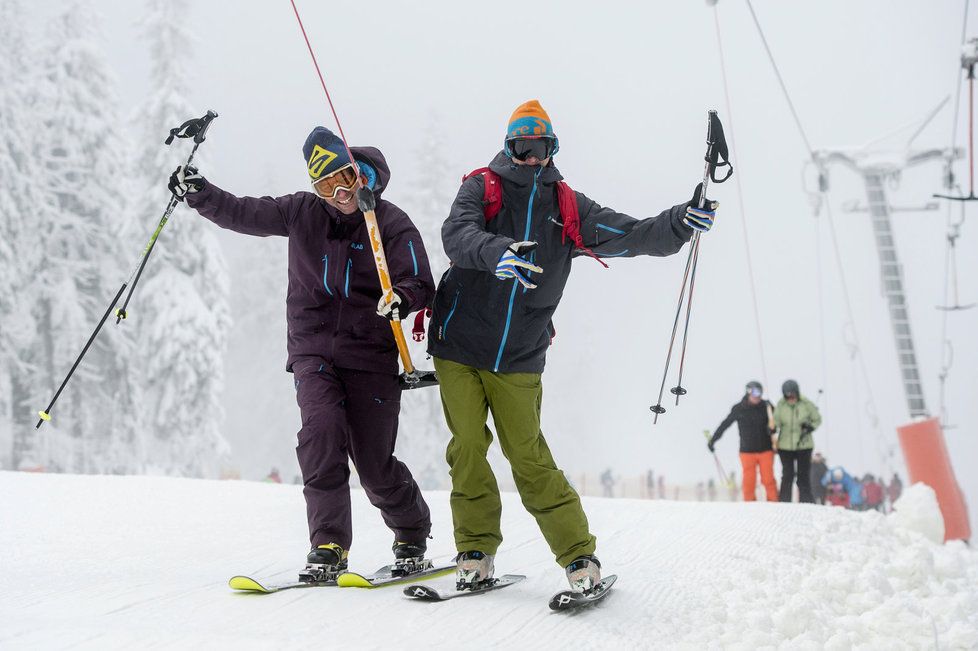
x: 755, y: 421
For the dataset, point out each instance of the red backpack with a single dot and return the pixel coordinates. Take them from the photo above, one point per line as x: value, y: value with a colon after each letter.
x: 492, y: 202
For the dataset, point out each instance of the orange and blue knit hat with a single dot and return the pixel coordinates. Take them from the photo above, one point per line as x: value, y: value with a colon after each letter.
x: 528, y: 120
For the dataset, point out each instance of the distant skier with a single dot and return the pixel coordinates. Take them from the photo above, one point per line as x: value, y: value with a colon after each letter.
x: 819, y: 468
x: 850, y: 486
x: 608, y: 483
x: 873, y: 493
x: 273, y: 477
x: 492, y: 327
x: 795, y: 417
x: 755, y: 423
x: 650, y: 484
x: 341, y: 347
x: 661, y: 483
x: 894, y: 490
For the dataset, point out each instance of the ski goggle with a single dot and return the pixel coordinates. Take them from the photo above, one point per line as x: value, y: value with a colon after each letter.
x: 754, y: 391
x: 540, y: 147
x: 344, y: 178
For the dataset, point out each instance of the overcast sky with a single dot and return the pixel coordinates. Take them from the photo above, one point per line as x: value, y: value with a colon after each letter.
x: 627, y: 87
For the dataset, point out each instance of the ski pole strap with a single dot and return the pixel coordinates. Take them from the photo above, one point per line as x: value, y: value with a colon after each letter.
x: 195, y: 128
x: 417, y: 332
x: 717, y: 153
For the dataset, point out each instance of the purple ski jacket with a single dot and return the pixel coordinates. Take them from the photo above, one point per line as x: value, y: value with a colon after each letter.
x: 333, y: 284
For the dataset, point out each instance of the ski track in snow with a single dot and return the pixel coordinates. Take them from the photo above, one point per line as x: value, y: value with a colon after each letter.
x: 124, y: 562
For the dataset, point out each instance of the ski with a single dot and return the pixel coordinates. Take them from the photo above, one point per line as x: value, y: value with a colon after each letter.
x: 248, y: 584
x: 427, y: 593
x: 386, y: 576
x: 569, y: 599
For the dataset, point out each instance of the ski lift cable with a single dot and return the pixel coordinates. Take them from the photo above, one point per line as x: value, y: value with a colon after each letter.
x: 952, y: 232
x: 828, y: 208
x: 740, y: 200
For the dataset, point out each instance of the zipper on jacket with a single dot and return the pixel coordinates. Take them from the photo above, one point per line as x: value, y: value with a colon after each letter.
x: 346, y: 282
x: 444, y: 327
x: 516, y: 283
x: 414, y: 258
x: 325, y: 277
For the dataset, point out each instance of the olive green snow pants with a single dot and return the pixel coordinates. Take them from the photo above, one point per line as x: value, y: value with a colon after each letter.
x: 468, y: 394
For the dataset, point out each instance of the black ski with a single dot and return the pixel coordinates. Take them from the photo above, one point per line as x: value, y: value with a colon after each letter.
x: 427, y: 593
x: 570, y: 599
x: 388, y: 576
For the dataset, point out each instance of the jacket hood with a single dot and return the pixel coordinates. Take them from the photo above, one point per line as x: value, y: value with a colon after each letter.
x: 373, y: 157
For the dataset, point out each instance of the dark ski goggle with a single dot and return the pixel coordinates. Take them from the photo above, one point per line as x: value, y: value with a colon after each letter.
x: 540, y: 147
x: 754, y: 391
x: 344, y: 178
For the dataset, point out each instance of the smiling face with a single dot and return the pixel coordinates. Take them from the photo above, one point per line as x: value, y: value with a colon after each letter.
x: 339, y: 189
x: 345, y: 201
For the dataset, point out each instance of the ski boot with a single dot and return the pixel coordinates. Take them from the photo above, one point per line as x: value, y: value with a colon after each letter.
x: 584, y: 573
x: 324, y: 563
x: 409, y: 558
x: 473, y: 570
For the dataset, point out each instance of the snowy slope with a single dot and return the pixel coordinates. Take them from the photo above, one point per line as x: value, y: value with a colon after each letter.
x: 133, y: 562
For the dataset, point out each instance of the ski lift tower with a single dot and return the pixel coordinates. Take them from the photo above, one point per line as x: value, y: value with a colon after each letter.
x: 876, y: 168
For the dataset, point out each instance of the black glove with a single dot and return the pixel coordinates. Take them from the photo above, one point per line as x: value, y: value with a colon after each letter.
x: 185, y: 181
x: 807, y: 428
x: 391, y: 309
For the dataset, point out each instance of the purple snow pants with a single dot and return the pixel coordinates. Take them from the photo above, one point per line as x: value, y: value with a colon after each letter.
x: 349, y: 414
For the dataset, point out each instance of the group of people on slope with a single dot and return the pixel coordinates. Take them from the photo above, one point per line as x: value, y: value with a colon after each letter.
x: 765, y: 429
x: 511, y: 236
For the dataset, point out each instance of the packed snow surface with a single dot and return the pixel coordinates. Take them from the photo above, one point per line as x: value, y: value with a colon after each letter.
x: 136, y: 562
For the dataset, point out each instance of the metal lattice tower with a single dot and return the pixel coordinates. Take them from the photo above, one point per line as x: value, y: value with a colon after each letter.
x: 874, y: 174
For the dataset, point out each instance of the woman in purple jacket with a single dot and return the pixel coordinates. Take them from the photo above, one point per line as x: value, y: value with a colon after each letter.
x: 341, y: 347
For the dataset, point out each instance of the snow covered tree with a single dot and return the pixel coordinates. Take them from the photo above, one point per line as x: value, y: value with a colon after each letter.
x: 425, y: 435
x: 20, y: 200
x: 81, y: 151
x: 180, y: 307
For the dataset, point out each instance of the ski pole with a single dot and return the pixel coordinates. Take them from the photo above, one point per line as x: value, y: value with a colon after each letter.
x: 716, y: 149
x: 196, y: 129
x: 723, y: 474
x: 412, y: 378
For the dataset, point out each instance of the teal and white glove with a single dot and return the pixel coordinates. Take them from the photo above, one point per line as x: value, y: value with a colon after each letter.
x: 700, y: 219
x: 512, y: 264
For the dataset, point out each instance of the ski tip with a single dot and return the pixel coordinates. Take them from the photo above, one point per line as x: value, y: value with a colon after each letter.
x: 352, y: 580
x: 246, y: 583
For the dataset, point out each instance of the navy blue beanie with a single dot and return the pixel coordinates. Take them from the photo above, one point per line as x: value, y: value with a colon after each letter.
x: 324, y: 153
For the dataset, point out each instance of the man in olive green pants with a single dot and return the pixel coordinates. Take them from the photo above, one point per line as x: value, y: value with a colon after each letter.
x: 512, y: 235
x: 514, y: 400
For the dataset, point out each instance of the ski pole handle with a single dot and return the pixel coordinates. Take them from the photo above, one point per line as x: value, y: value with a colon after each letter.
x: 195, y: 128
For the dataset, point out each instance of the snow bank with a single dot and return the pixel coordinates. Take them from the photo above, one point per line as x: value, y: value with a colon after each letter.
x: 129, y: 562
x: 917, y: 510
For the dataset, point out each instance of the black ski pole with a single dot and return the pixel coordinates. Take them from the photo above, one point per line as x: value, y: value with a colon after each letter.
x: 716, y: 149
x: 196, y: 129
x: 46, y: 414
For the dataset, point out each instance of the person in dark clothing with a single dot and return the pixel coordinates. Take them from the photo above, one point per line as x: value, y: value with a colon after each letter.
x: 819, y: 468
x: 755, y: 422
x: 341, y: 346
x: 491, y: 329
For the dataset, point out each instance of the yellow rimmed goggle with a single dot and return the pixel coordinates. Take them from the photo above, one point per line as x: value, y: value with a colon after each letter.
x: 344, y: 178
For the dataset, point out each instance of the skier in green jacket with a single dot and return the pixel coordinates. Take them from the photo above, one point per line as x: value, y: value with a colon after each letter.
x: 795, y: 418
